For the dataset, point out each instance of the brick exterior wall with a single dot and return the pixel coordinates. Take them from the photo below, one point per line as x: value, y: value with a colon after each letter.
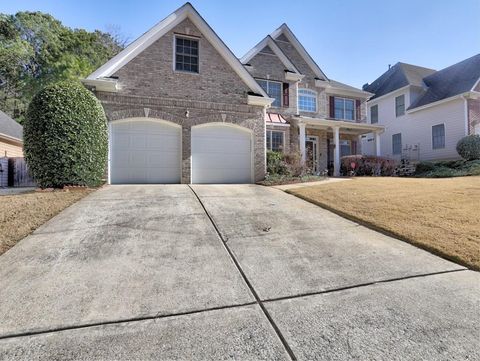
x: 151, y: 88
x: 473, y: 106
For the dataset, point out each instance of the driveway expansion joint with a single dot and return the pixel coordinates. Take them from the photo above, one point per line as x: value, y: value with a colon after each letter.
x: 252, y: 289
x: 157, y: 316
x: 361, y: 285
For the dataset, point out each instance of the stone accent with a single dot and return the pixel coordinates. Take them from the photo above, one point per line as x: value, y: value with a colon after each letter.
x: 151, y: 88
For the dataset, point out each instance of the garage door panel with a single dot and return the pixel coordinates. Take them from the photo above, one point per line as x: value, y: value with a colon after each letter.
x: 221, y: 154
x: 145, y: 152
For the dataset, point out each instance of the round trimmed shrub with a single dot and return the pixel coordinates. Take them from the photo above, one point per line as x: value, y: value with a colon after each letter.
x: 66, y: 137
x: 469, y: 147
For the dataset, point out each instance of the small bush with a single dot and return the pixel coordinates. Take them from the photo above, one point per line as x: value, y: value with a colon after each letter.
x: 469, y: 147
x: 366, y: 165
x: 423, y: 167
x: 65, y: 135
x: 285, y: 164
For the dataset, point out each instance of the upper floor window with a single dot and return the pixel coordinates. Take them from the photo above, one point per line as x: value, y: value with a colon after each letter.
x: 374, y: 114
x: 344, y: 108
x: 397, y: 143
x: 186, y: 55
x: 307, y: 100
x: 438, y: 136
x: 400, y: 105
x: 273, y: 90
x: 275, y: 140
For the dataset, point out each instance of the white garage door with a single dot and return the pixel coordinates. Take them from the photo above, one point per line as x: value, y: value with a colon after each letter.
x: 221, y: 154
x: 144, y: 151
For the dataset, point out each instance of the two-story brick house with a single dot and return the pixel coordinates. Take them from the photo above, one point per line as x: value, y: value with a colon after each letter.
x: 183, y: 109
x: 307, y: 104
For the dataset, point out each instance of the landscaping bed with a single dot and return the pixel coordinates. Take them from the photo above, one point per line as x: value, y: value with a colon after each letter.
x: 21, y: 214
x: 439, y: 215
x: 276, y: 180
x: 445, y: 169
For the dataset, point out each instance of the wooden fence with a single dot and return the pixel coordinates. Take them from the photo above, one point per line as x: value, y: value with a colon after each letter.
x: 18, y: 175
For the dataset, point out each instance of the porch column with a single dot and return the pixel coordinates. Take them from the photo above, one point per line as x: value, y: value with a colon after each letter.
x: 336, y: 153
x: 301, y: 139
x: 377, y: 144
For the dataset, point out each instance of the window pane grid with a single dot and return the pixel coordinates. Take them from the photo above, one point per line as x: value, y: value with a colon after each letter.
x: 400, y: 105
x: 438, y: 136
x: 374, y: 114
x: 275, y: 140
x: 397, y: 143
x: 273, y: 90
x: 307, y: 100
x: 344, y: 109
x: 186, y: 55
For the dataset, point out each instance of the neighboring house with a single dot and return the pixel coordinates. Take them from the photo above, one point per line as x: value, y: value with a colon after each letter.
x: 11, y: 135
x: 425, y: 112
x: 311, y: 113
x: 183, y: 109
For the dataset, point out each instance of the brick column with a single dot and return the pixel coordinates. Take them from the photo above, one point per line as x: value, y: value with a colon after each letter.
x: 186, y: 154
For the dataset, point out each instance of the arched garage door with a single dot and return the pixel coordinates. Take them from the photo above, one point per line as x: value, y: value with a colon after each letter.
x: 144, y: 150
x: 221, y: 153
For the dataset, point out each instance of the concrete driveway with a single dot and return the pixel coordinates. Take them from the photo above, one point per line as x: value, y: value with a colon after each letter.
x: 227, y: 272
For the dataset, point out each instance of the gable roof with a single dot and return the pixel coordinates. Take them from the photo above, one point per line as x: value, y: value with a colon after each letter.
x: 453, y: 80
x: 398, y: 76
x: 285, y: 30
x: 268, y: 41
x: 160, y: 29
x: 10, y: 127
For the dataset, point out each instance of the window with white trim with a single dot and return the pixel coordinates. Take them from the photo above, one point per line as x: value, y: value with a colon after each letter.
x: 273, y: 90
x: 397, y: 143
x: 307, y: 100
x: 275, y: 140
x: 344, y: 108
x: 186, y: 55
x: 400, y: 105
x: 438, y: 136
x: 374, y: 114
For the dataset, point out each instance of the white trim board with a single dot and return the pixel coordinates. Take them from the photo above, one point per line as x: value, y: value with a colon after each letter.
x: 163, y: 27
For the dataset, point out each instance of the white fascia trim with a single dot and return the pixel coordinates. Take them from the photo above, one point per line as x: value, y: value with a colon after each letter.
x: 105, y: 85
x: 438, y: 102
x: 346, y: 92
x: 260, y: 101
x: 293, y: 76
x: 394, y: 92
x: 269, y: 124
x: 475, y: 85
x: 11, y: 139
x: 299, y: 47
x: 268, y: 41
x: 164, y: 27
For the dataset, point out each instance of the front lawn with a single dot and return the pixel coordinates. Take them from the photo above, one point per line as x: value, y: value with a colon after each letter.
x: 439, y: 215
x: 21, y: 214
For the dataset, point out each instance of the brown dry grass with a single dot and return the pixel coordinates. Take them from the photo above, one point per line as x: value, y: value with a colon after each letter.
x: 439, y: 215
x: 21, y: 214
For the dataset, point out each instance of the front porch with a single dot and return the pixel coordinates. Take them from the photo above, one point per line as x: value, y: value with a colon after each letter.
x: 323, y: 142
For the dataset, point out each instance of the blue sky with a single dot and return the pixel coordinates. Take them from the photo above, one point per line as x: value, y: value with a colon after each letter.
x: 352, y: 41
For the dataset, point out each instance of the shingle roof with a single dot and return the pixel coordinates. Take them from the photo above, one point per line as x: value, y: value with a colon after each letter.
x: 10, y: 127
x: 456, y: 79
x: 398, y: 76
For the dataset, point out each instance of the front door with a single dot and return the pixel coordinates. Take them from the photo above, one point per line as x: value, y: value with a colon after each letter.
x: 311, y: 150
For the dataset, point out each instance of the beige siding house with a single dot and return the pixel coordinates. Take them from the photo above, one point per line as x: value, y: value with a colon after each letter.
x: 424, y: 112
x: 11, y: 135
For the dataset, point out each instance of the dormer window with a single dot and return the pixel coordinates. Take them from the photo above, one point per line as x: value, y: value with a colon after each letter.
x: 307, y: 100
x: 186, y: 55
